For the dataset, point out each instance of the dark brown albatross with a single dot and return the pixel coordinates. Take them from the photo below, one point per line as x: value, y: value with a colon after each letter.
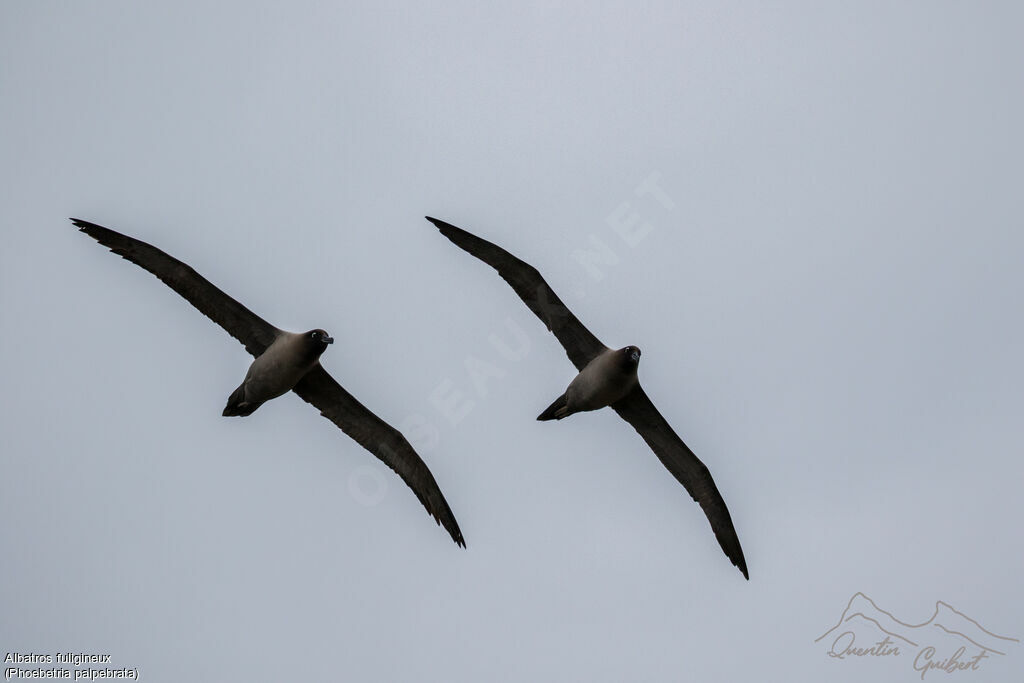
x: 285, y: 361
x: 607, y: 378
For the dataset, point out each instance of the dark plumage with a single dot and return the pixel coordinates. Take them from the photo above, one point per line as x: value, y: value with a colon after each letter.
x: 607, y: 377
x: 285, y: 361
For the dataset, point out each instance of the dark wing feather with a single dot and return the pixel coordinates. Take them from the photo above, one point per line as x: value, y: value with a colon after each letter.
x: 241, y: 323
x: 381, y: 439
x: 637, y: 410
x: 580, y: 345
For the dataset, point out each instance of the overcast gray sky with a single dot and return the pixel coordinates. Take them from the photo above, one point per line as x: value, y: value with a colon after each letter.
x: 827, y: 295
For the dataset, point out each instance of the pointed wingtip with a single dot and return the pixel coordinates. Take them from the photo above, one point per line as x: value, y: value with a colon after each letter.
x: 741, y: 564
x: 89, y: 228
x: 456, y: 235
x: 452, y: 527
x: 457, y: 537
x: 444, y: 226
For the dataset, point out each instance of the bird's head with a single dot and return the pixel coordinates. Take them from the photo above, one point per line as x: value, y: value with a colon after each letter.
x: 631, y: 355
x: 317, y: 340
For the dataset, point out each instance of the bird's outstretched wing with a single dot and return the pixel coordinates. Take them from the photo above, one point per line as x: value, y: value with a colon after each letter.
x: 580, y: 345
x: 636, y: 409
x: 377, y: 436
x: 255, y: 333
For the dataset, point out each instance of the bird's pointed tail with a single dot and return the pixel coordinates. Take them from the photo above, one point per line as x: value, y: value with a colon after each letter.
x: 555, y: 411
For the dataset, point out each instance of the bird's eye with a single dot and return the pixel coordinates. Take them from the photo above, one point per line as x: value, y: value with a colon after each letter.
x: 313, y: 335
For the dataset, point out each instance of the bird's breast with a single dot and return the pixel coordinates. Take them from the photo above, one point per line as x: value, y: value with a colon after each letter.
x: 601, y: 383
x: 277, y: 370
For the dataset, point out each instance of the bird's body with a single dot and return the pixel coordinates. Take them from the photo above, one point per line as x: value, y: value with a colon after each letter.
x: 277, y: 370
x: 603, y: 381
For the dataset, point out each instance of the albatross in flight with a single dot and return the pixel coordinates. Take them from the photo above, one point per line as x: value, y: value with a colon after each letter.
x: 607, y: 377
x: 285, y: 361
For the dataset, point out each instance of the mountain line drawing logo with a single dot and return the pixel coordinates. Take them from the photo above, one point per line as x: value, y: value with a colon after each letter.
x: 950, y: 641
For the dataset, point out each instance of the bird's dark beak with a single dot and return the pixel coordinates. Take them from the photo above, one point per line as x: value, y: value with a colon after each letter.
x: 635, y: 355
x: 328, y: 340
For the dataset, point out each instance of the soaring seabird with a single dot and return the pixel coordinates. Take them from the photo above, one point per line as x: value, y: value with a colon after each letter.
x: 607, y: 377
x: 285, y: 361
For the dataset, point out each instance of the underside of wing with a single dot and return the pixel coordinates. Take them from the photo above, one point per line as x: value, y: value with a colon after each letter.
x: 255, y: 333
x: 580, y: 345
x: 636, y: 409
x: 377, y: 436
